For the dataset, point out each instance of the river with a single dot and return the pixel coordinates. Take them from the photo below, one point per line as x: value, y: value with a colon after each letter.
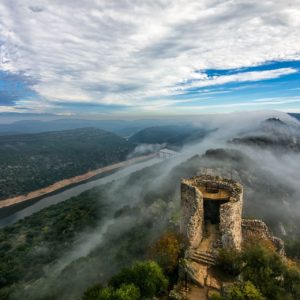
x: 10, y: 215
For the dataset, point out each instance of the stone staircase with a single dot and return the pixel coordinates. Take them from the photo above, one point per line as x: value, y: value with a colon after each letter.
x: 204, y: 257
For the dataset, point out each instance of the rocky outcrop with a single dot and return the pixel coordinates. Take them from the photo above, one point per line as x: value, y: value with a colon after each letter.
x: 258, y: 230
x: 194, y: 272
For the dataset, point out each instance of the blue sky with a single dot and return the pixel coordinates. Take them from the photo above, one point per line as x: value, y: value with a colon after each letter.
x: 282, y: 93
x: 149, y: 57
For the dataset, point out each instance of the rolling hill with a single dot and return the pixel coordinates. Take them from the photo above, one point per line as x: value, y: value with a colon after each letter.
x: 32, y: 161
x: 272, y: 133
x: 172, y: 135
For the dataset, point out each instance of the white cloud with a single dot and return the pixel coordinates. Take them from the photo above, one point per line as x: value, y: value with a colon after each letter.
x: 129, y: 52
x: 241, y: 77
x: 249, y: 105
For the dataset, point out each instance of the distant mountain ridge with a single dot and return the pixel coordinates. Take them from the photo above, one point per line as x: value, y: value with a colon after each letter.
x: 272, y: 132
x: 32, y: 161
x: 123, y: 128
x: 172, y: 135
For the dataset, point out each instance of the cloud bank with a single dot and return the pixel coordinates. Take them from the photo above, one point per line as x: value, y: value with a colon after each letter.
x: 135, y: 53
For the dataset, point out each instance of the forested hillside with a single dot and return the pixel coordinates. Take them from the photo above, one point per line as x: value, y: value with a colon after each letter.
x: 32, y: 161
x: 176, y: 135
x: 61, y: 250
x: 272, y: 133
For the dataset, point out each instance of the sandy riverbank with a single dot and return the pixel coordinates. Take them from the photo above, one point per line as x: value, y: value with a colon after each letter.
x: 71, y: 181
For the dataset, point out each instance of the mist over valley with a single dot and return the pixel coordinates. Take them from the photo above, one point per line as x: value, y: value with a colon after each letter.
x: 62, y: 249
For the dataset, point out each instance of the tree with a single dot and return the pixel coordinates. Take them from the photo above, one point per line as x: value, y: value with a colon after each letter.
x: 147, y: 276
x: 230, y: 261
x: 240, y: 291
x: 265, y: 270
x: 244, y: 291
x: 92, y: 293
x: 292, y: 247
x: 165, y: 251
x: 292, y: 282
x: 127, y: 292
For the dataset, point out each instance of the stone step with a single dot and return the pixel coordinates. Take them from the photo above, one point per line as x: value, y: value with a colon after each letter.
x: 203, y: 260
x: 212, y: 259
x: 203, y: 257
x: 204, y: 254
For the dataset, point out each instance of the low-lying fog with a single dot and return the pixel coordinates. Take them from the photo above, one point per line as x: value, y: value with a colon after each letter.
x: 270, y: 176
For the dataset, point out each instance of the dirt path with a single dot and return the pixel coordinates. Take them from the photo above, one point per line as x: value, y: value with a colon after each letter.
x: 197, y: 293
x: 70, y: 181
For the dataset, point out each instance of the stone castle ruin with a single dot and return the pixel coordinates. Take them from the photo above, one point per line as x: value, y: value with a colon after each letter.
x: 209, y: 203
x: 211, y: 219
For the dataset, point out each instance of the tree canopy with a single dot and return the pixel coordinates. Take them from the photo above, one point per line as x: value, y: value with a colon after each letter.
x: 144, y: 280
x: 264, y: 276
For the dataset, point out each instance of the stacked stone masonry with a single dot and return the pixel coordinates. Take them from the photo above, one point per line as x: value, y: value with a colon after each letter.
x: 194, y: 192
x: 211, y: 218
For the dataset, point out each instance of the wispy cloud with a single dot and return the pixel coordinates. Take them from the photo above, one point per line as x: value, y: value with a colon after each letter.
x: 135, y: 52
x: 250, y: 104
x: 240, y: 77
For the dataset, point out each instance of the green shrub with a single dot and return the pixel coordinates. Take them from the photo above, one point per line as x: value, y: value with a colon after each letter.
x: 229, y: 261
x: 265, y: 270
x: 147, y: 276
x: 292, y: 282
x: 264, y: 274
x: 127, y: 292
x: 243, y: 291
x: 124, y: 292
x: 216, y: 296
x: 92, y: 292
x: 292, y: 248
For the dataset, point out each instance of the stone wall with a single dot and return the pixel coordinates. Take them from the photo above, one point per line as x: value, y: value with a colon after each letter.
x: 192, y: 216
x: 192, y: 219
x: 230, y: 185
x: 231, y: 224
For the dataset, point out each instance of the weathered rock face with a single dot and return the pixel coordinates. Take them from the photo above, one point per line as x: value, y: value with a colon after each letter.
x: 226, y: 193
x: 192, y: 217
x: 258, y: 230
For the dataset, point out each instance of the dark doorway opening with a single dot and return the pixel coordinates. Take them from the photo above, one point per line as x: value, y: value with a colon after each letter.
x: 212, y: 210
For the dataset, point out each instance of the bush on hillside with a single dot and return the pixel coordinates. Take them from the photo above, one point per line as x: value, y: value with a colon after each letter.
x: 144, y: 280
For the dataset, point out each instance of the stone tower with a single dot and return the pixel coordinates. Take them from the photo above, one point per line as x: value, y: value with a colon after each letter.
x: 211, y: 219
x: 211, y: 201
